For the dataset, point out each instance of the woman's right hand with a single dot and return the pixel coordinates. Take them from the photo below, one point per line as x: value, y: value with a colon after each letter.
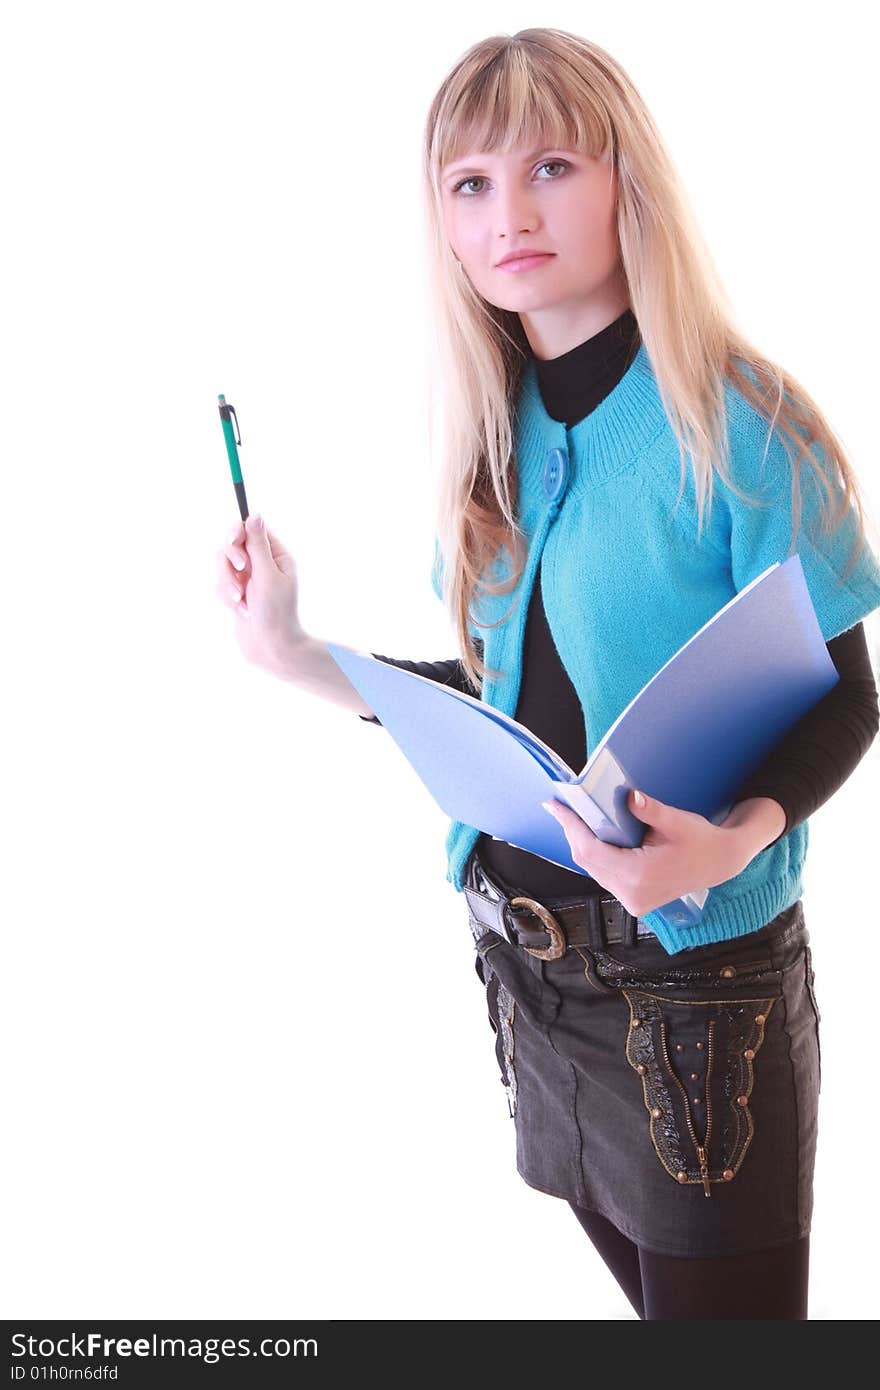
x: 256, y: 579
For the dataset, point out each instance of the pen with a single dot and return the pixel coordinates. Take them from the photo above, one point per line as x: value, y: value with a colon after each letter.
x: 226, y: 412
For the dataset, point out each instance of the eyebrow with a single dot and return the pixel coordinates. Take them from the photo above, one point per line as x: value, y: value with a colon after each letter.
x: 462, y: 167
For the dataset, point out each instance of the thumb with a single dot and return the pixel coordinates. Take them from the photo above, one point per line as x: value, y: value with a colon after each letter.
x: 645, y: 807
x: 257, y: 542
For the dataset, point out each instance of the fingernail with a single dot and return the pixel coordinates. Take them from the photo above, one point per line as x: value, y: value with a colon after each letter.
x: 638, y: 798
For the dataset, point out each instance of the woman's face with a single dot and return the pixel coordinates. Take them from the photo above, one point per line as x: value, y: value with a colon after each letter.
x: 552, y: 200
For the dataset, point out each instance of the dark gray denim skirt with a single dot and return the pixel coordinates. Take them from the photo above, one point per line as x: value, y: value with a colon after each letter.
x: 677, y: 1096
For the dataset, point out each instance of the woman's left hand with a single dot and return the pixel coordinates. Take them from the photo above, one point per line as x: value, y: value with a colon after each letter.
x: 682, y: 852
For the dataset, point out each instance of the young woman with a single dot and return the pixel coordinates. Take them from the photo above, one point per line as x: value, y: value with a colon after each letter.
x: 619, y: 462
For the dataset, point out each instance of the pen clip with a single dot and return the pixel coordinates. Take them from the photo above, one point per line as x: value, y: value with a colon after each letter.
x: 225, y: 412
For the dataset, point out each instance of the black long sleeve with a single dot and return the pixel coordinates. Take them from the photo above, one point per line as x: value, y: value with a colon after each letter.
x: 448, y: 672
x: 825, y: 746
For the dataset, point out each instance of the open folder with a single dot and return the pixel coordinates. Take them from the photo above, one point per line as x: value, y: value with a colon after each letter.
x: 691, y: 736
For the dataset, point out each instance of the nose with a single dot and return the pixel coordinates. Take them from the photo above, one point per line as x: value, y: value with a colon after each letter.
x: 514, y: 214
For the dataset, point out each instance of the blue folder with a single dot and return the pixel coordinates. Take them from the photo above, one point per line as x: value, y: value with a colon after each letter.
x: 691, y: 736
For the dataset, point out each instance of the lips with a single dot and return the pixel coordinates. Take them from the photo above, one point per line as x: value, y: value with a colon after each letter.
x: 523, y: 255
x: 520, y: 265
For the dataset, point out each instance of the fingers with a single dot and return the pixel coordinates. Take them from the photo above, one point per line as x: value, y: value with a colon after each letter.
x: 248, y: 548
x: 235, y: 550
x: 228, y: 587
x: 231, y: 562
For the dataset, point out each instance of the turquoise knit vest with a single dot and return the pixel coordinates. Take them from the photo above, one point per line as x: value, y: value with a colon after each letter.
x: 626, y: 581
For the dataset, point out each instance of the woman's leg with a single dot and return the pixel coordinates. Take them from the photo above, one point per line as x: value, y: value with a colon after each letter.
x: 762, y: 1284
x: 620, y: 1254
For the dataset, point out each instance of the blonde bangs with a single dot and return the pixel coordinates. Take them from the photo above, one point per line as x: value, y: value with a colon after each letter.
x: 520, y: 98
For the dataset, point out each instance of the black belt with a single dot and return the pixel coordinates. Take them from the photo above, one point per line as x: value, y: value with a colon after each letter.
x: 592, y: 921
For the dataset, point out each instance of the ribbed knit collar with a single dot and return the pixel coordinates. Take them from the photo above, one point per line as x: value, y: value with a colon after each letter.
x: 604, y: 442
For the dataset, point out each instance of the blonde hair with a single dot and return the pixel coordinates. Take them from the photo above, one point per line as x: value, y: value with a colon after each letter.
x: 549, y: 86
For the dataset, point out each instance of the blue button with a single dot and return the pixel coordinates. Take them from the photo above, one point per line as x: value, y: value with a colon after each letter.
x: 555, y: 473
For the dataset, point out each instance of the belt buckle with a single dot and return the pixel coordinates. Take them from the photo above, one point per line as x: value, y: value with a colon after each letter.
x: 558, y: 943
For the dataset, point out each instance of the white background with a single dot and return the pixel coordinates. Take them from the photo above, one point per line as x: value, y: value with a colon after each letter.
x: 247, y: 1069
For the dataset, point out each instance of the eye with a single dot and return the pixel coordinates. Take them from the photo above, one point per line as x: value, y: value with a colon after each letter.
x: 478, y: 178
x: 458, y: 186
x: 561, y: 163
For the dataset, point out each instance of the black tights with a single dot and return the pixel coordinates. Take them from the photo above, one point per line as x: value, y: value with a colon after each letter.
x: 762, y: 1284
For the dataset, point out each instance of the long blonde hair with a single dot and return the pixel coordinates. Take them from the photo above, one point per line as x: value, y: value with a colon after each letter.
x: 549, y: 86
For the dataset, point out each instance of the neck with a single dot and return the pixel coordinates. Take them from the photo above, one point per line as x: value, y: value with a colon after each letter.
x: 553, y: 331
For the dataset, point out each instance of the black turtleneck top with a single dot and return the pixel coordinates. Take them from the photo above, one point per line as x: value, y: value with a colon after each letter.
x: 801, y: 773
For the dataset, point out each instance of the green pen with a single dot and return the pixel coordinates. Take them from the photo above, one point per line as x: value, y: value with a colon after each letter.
x: 226, y: 412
